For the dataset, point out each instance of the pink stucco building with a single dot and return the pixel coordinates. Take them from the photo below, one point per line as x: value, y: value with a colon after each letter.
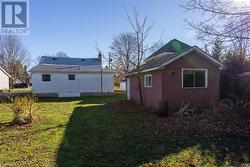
x: 177, y: 73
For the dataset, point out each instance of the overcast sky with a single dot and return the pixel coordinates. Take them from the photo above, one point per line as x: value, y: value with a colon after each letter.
x: 76, y: 26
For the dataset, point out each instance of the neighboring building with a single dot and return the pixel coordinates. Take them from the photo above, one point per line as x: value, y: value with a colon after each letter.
x: 17, y: 81
x: 177, y: 73
x: 123, y: 85
x: 71, y: 77
x: 4, y: 80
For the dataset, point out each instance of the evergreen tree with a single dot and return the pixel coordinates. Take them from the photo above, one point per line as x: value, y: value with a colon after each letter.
x: 217, y: 49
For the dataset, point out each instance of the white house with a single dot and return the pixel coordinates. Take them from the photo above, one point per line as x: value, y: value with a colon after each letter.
x: 4, y: 79
x: 71, y: 77
x: 123, y: 85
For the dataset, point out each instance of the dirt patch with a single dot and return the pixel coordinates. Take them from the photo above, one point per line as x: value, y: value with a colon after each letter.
x: 36, y: 120
x: 129, y: 106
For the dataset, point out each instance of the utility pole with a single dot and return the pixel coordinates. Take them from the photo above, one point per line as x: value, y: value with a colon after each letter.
x: 100, y: 58
x: 101, y: 83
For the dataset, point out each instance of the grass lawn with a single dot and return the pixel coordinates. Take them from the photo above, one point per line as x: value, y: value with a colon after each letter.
x: 88, y: 132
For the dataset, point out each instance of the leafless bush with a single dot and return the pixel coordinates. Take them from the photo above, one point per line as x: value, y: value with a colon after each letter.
x: 231, y: 105
x: 226, y: 105
x: 186, y: 109
x: 23, y: 109
x: 244, y: 111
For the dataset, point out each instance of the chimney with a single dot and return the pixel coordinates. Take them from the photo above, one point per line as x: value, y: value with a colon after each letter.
x: 100, y: 56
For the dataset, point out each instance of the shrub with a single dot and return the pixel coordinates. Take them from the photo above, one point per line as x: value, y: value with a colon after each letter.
x: 5, y: 99
x: 241, y: 107
x: 23, y: 109
x: 232, y: 105
x: 244, y: 110
x: 226, y: 104
x: 5, y: 91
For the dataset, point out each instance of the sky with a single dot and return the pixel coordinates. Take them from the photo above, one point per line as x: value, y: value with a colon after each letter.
x: 78, y: 26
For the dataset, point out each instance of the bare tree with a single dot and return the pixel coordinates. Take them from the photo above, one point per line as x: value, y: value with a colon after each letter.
x: 37, y: 60
x: 225, y: 22
x: 241, y: 45
x: 156, y: 46
x: 123, y: 52
x: 61, y: 54
x: 222, y: 19
x: 130, y: 49
x: 229, y: 23
x: 58, y: 54
x: 140, y: 29
x: 14, y: 56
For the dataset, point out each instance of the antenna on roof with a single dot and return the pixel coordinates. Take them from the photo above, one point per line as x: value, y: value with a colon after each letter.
x: 100, y: 56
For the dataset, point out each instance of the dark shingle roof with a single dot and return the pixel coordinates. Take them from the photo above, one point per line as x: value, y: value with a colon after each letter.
x: 69, y: 61
x: 174, y: 46
x: 172, y: 49
x: 157, y: 62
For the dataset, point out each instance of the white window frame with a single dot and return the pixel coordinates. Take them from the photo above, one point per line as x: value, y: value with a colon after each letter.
x: 194, y: 69
x: 145, y: 82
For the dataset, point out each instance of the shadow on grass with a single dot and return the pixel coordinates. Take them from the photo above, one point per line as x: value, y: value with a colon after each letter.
x: 100, y: 136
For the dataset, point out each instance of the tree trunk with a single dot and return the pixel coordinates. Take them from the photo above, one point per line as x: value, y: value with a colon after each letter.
x: 140, y: 88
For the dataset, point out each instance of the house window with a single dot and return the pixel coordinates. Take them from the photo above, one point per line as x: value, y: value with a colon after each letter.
x: 148, y: 80
x: 46, y: 77
x: 71, y: 77
x: 194, y: 78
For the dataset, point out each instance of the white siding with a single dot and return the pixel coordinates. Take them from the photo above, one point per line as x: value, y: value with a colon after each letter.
x: 128, y: 88
x: 123, y: 85
x: 4, y: 81
x: 84, y: 82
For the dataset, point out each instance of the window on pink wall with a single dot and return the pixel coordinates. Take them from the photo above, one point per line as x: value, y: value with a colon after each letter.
x: 194, y: 78
x: 148, y: 80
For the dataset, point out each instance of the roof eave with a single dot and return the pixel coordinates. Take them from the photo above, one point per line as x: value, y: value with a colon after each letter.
x: 143, y: 71
x: 221, y: 66
x: 71, y: 71
x: 5, y: 72
x: 158, y: 55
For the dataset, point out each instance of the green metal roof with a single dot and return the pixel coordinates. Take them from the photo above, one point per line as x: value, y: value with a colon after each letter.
x: 175, y: 46
x: 158, y: 61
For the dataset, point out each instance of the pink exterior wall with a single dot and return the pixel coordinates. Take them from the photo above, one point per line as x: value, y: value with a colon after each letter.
x: 167, y: 84
x: 150, y: 95
x: 172, y: 84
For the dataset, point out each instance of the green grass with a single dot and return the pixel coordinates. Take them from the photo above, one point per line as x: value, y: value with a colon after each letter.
x: 88, y: 132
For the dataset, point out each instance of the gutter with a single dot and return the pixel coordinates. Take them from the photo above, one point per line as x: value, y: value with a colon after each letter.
x: 143, y: 71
